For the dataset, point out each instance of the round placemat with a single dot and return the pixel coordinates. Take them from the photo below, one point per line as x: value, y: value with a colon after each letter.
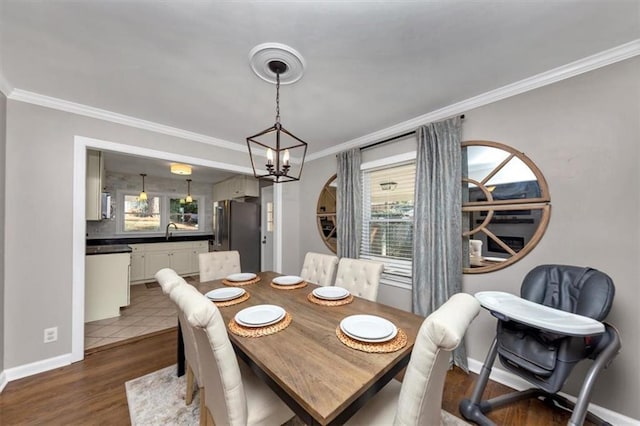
x: 232, y: 302
x: 397, y: 343
x: 240, y: 283
x: 289, y: 287
x: 242, y: 331
x: 313, y: 299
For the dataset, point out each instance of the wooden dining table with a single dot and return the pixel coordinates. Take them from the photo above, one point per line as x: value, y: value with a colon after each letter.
x: 321, y: 379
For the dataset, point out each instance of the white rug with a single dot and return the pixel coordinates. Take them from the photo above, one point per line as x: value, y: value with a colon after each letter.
x: 158, y: 399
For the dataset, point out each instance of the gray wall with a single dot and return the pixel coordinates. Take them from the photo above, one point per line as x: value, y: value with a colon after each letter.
x: 3, y: 146
x: 38, y: 258
x: 584, y: 134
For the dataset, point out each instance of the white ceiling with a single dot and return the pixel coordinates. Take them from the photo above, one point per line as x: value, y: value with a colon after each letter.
x: 370, y: 65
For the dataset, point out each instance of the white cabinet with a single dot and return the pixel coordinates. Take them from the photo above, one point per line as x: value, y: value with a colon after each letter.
x: 182, y: 257
x: 236, y: 187
x: 94, y: 185
x: 106, y: 285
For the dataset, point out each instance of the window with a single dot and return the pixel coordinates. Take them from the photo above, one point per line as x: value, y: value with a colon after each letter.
x: 387, y: 226
x: 183, y: 214
x: 141, y: 216
x: 153, y: 215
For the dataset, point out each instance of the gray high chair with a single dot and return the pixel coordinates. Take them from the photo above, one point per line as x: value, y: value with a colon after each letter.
x: 544, y: 333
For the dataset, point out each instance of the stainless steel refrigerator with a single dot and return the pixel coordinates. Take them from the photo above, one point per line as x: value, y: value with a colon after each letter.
x: 236, y: 226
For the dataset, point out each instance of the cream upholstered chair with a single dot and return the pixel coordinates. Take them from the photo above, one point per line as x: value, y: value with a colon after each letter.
x: 231, y: 397
x: 168, y: 279
x: 418, y: 400
x: 193, y: 365
x: 360, y: 277
x: 218, y: 264
x: 319, y: 268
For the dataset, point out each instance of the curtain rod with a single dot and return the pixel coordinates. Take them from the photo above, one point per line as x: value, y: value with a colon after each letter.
x: 393, y: 138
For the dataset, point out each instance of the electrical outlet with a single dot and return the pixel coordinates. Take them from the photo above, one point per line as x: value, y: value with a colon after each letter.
x: 50, y: 334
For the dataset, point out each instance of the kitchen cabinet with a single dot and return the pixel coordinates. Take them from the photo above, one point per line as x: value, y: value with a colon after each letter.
x: 106, y: 285
x: 182, y: 257
x: 236, y: 187
x: 94, y: 185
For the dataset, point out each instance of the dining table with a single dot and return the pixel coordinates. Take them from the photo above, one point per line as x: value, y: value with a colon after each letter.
x: 321, y: 379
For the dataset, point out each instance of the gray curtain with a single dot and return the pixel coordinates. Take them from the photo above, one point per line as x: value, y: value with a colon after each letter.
x: 437, y: 238
x: 349, y: 203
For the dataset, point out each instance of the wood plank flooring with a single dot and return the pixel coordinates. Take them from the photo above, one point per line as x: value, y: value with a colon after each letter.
x: 92, y: 392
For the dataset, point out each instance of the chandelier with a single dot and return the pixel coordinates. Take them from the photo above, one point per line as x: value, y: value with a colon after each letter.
x: 279, y: 145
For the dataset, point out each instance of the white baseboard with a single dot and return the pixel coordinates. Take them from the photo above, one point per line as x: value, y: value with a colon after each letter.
x: 3, y: 380
x: 26, y: 370
x: 509, y: 379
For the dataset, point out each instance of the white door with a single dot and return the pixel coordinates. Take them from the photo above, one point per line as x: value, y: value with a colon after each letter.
x: 266, y: 228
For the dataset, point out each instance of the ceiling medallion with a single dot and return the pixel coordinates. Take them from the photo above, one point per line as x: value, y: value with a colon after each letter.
x: 263, y: 54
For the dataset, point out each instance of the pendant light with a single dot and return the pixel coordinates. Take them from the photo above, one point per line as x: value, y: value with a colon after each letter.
x: 286, y: 145
x: 143, y: 195
x: 189, y: 199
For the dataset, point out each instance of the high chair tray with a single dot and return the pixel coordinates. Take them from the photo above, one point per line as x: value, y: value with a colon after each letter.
x: 510, y: 307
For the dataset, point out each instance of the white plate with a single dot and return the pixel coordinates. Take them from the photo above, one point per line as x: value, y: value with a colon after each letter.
x: 368, y: 328
x: 223, y: 294
x: 241, y: 277
x: 260, y: 315
x: 331, y: 293
x: 287, y: 280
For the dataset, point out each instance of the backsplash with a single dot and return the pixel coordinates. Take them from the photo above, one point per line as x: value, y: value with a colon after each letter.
x: 120, y: 182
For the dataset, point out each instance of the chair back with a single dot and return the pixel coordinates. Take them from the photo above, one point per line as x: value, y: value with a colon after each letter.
x: 575, y: 289
x: 218, y: 264
x: 360, y: 277
x: 168, y: 279
x: 441, y: 332
x: 319, y: 268
x: 188, y: 336
x: 224, y: 396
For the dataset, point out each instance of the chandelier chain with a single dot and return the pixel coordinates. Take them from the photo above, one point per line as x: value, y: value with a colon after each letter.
x: 278, y: 97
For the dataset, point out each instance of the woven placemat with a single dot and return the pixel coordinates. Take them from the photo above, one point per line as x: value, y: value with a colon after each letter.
x: 397, y: 343
x: 240, y: 283
x: 289, y: 287
x: 324, y: 302
x: 232, y: 302
x: 242, y: 331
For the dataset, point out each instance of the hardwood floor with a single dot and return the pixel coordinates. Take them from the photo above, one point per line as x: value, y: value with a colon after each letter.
x: 92, y: 392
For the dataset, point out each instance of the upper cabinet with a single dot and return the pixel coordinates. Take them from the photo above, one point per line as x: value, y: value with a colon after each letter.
x: 236, y: 187
x: 95, y: 183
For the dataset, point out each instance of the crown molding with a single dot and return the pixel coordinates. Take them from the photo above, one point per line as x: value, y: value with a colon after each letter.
x: 599, y: 60
x: 101, y: 114
x: 5, y: 87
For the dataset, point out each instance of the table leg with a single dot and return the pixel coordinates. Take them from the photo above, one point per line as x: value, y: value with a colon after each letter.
x: 180, y: 354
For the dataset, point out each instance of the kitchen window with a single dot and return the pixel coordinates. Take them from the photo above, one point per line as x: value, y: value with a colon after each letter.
x: 153, y: 216
x: 387, y: 226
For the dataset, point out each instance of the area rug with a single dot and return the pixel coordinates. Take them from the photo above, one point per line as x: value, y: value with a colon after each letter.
x: 158, y: 399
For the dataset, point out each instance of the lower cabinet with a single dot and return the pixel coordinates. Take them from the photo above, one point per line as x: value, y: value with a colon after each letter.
x: 106, y: 285
x: 182, y: 257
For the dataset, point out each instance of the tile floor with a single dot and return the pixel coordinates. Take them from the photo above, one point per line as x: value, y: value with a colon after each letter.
x: 150, y: 311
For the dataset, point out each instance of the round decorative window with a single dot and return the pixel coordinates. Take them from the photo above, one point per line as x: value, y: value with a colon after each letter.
x: 505, y: 206
x: 326, y: 214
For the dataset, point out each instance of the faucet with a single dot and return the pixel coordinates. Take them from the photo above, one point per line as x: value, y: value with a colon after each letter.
x: 167, y: 234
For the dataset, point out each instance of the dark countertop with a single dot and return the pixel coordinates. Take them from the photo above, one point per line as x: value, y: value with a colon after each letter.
x: 108, y: 249
x: 146, y: 240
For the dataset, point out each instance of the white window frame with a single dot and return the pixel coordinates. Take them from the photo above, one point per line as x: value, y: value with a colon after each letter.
x: 164, y: 214
x: 387, y: 162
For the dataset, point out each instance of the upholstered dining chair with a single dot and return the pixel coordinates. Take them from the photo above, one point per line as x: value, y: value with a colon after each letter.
x: 231, y: 397
x: 418, y: 399
x: 218, y: 264
x: 192, y: 359
x: 360, y: 277
x: 319, y: 268
x: 168, y: 279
